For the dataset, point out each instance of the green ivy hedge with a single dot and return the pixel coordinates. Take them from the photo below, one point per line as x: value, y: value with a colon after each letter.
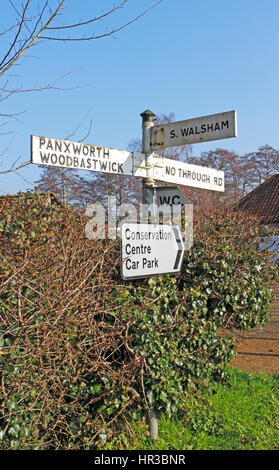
x: 184, y: 333
x: 83, y: 351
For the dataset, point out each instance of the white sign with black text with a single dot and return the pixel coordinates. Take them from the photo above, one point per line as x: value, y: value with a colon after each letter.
x: 150, y: 249
x: 193, y: 131
x: 80, y: 156
x: 174, y: 171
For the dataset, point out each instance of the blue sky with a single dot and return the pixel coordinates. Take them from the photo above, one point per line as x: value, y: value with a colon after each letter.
x: 189, y: 57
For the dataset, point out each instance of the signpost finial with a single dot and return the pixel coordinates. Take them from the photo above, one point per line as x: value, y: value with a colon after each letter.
x: 148, y: 116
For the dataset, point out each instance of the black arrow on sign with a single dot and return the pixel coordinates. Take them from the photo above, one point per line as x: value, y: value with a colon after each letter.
x: 180, y: 247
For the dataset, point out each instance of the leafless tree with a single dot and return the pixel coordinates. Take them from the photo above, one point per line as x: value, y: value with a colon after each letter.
x: 33, y: 22
x: 65, y: 183
x: 265, y: 163
x: 242, y: 173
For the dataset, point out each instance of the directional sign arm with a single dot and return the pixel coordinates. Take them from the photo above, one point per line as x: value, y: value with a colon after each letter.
x: 80, y: 156
x: 150, y: 249
x: 196, y: 130
x: 187, y: 174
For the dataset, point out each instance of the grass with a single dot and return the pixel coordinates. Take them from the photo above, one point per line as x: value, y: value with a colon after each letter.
x: 243, y: 415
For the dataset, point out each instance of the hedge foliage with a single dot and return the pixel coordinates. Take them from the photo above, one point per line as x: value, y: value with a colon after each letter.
x: 84, y: 351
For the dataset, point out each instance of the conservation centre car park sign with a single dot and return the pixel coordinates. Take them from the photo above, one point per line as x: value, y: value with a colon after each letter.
x: 144, y: 249
x: 147, y: 249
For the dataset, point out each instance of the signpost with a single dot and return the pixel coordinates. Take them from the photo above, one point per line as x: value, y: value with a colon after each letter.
x: 181, y: 133
x: 147, y: 249
x: 150, y: 249
x: 192, y: 131
x: 150, y: 167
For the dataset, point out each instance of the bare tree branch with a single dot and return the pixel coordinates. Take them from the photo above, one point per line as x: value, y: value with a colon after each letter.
x: 86, y: 22
x: 49, y: 86
x: 93, y: 36
x: 35, y: 21
x: 12, y: 169
x: 7, y: 62
x: 44, y: 22
x: 78, y: 127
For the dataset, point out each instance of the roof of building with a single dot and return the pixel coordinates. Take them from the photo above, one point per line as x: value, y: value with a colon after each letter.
x: 263, y: 201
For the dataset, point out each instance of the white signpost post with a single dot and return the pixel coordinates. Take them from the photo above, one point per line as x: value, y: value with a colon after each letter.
x: 150, y: 249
